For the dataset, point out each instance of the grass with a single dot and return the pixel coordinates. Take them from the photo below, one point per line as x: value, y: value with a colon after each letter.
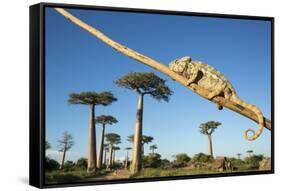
x: 59, y: 176
x: 153, y: 172
x: 77, y: 175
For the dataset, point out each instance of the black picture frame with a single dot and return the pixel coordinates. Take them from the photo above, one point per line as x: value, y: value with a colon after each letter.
x: 37, y: 94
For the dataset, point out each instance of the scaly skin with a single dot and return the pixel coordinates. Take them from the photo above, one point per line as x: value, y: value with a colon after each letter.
x: 211, y: 79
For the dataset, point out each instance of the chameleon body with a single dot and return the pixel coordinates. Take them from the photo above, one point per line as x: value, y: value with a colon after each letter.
x: 215, y: 82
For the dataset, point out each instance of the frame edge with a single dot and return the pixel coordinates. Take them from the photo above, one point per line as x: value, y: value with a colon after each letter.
x: 34, y: 96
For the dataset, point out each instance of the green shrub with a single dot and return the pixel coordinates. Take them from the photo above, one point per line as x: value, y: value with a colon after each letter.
x: 201, y: 157
x: 165, y: 163
x: 68, y: 166
x: 151, y: 160
x: 181, y: 160
x: 238, y: 164
x: 82, y: 163
x: 201, y: 160
x: 182, y: 157
x: 51, y: 164
x: 252, y: 162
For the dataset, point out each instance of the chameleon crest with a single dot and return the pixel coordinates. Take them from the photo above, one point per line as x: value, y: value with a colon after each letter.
x: 212, y: 80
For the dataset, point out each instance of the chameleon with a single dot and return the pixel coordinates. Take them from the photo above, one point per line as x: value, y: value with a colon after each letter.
x: 214, y: 81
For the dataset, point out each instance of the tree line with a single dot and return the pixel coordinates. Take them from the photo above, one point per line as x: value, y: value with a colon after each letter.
x: 145, y: 83
x: 142, y: 83
x: 151, y: 160
x: 66, y: 142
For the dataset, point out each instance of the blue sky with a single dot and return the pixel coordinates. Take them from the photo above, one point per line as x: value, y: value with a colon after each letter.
x: 77, y: 61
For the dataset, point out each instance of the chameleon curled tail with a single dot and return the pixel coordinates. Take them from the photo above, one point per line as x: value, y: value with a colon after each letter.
x: 259, y: 115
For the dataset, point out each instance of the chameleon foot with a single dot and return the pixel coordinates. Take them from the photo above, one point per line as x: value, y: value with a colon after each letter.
x: 219, y: 107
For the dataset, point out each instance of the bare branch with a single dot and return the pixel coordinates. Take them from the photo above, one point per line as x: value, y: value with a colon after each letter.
x: 162, y: 68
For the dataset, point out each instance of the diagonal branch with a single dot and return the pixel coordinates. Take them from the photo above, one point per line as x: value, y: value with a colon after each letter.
x: 162, y: 68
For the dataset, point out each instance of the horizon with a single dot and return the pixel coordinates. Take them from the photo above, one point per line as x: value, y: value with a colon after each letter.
x: 77, y: 61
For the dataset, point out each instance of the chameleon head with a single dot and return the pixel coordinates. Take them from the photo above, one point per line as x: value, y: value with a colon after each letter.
x: 186, y: 59
x: 180, y: 65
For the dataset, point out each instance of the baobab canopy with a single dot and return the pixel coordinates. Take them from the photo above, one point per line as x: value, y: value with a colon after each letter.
x: 106, y: 119
x: 89, y: 98
x: 146, y: 83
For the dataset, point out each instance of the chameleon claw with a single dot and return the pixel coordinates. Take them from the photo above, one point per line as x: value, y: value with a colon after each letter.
x: 219, y: 107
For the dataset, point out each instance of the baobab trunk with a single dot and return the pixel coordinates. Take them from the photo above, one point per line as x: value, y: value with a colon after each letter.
x: 92, y: 156
x: 126, y: 161
x: 137, y: 147
x: 99, y: 165
x: 110, y: 154
x: 113, y: 158
x: 210, y: 148
x: 104, y: 161
x: 62, y: 159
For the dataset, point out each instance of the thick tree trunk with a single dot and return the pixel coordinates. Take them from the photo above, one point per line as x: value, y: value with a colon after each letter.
x: 126, y: 160
x: 104, y: 161
x: 99, y: 165
x: 137, y: 153
x: 210, y: 146
x: 110, y: 154
x: 62, y: 159
x: 162, y: 68
x: 113, y: 157
x: 92, y: 156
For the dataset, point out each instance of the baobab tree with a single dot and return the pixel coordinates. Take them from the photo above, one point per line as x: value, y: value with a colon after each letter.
x: 250, y: 152
x: 64, y: 145
x: 207, y: 129
x: 152, y: 148
x: 127, y: 156
x: 92, y: 99
x: 103, y: 120
x: 114, y: 148
x: 239, y: 155
x: 144, y: 140
x: 106, y: 149
x: 112, y: 139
